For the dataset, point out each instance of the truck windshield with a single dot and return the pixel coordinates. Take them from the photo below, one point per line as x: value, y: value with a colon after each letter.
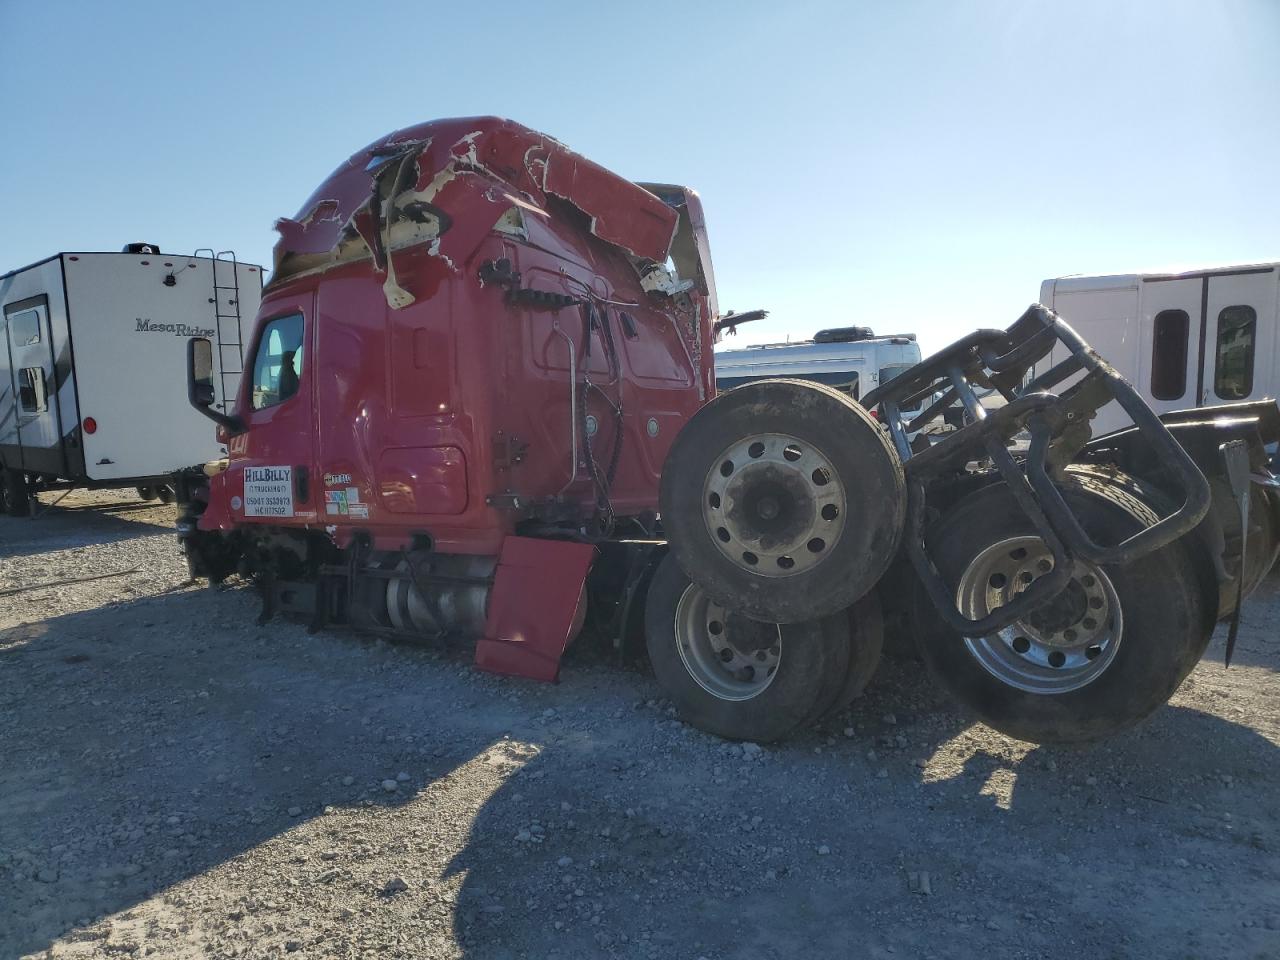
x: 277, y: 366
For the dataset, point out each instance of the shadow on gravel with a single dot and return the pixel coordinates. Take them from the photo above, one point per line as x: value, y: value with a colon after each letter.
x: 132, y: 757
x: 136, y: 754
x: 63, y: 528
x: 595, y: 849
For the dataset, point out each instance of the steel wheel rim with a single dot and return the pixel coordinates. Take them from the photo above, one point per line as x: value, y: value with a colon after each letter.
x: 774, y: 505
x: 704, y: 633
x: 1060, y: 648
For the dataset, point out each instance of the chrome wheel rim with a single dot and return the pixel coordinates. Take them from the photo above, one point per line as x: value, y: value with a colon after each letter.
x: 727, y: 655
x: 1061, y: 647
x: 774, y: 505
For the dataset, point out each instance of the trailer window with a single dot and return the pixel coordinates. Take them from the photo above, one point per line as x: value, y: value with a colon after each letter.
x: 31, y: 392
x: 1169, y: 338
x: 887, y: 373
x: 24, y: 328
x: 1233, y: 364
x: 277, y: 367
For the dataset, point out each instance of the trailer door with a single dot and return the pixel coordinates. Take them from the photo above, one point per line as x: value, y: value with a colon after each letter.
x: 1168, y: 354
x: 1238, y: 345
x: 29, y: 341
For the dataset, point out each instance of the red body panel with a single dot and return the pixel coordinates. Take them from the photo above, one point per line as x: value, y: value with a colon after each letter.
x: 535, y: 607
x: 425, y: 390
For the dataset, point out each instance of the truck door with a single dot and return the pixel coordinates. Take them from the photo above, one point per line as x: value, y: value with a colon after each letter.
x: 1168, y: 351
x: 1238, y: 345
x: 277, y: 404
x: 35, y: 424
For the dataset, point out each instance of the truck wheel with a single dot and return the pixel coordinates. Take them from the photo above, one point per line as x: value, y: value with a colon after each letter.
x: 866, y: 643
x: 1110, y: 649
x: 147, y: 493
x: 733, y: 676
x: 17, y: 493
x: 164, y: 493
x: 784, y: 500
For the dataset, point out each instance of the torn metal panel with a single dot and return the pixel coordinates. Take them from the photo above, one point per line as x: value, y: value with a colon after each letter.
x: 632, y: 219
x: 690, y: 250
x: 446, y: 185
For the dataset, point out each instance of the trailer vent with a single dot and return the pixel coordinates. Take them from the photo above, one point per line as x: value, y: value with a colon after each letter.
x: 843, y: 335
x: 151, y: 248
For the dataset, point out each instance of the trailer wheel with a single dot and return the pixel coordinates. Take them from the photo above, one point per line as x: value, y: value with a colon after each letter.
x: 147, y: 493
x: 1110, y: 649
x: 733, y: 676
x: 866, y: 644
x: 17, y: 493
x: 784, y: 499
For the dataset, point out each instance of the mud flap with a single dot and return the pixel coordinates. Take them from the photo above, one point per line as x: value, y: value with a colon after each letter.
x: 1236, y: 455
x: 534, y: 607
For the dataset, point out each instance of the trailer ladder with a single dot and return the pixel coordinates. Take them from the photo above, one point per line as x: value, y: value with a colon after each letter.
x: 226, y: 308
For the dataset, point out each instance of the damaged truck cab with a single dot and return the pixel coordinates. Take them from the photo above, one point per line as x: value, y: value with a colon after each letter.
x: 471, y: 334
x: 480, y: 401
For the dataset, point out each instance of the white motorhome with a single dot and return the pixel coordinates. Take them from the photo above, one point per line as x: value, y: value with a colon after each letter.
x: 93, y: 386
x: 1199, y: 338
x: 851, y: 359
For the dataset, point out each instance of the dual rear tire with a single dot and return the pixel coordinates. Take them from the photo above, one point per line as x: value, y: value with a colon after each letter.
x: 1107, y: 652
x: 743, y: 679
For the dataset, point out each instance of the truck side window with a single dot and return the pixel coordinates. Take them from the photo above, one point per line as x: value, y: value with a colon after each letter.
x: 1169, y: 335
x: 277, y: 366
x: 1233, y: 364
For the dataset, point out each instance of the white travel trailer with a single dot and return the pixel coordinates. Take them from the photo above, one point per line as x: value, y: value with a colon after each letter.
x: 1201, y: 338
x: 93, y: 388
x: 851, y: 359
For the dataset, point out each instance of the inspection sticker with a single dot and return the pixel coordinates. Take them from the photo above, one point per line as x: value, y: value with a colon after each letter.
x: 268, y: 491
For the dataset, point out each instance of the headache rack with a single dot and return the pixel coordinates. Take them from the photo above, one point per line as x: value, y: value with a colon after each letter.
x: 1056, y: 417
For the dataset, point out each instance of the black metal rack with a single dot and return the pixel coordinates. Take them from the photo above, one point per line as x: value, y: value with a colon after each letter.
x: 1058, y: 424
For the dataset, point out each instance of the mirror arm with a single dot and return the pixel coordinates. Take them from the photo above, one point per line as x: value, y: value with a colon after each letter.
x: 229, y: 422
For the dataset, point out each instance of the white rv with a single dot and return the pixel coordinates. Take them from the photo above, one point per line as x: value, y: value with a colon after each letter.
x: 93, y: 386
x: 851, y: 359
x: 1196, y: 339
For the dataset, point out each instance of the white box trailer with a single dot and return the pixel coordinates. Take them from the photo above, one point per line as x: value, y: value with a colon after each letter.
x: 93, y: 388
x: 1200, y: 338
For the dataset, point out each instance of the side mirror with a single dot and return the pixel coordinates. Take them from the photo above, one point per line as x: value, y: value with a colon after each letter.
x: 200, y: 391
x: 200, y: 372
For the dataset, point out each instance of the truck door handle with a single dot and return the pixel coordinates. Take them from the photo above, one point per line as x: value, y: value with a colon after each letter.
x: 301, y: 484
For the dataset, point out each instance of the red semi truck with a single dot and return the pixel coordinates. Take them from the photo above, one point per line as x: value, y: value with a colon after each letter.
x: 480, y: 400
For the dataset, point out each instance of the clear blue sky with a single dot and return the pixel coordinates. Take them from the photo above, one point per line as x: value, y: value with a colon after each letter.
x: 906, y: 165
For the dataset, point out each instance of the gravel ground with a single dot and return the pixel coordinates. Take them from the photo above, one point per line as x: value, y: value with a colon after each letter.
x: 176, y: 781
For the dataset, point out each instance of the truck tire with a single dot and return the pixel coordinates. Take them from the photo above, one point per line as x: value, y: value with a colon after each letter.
x: 733, y: 676
x: 1113, y: 647
x: 866, y: 644
x: 17, y: 493
x: 784, y: 500
x: 147, y: 493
